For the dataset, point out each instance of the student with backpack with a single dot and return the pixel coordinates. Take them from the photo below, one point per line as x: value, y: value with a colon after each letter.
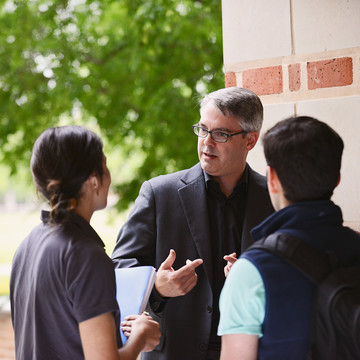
x: 269, y: 308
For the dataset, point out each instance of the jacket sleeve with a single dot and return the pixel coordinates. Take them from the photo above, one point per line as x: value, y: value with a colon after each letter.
x: 136, y: 242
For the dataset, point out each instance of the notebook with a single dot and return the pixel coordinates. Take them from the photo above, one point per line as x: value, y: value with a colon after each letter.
x: 133, y: 288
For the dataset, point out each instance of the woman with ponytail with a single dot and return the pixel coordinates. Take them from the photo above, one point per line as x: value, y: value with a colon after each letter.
x: 62, y: 286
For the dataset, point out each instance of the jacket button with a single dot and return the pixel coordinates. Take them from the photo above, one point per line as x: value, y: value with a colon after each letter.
x: 209, y: 309
x: 203, y: 347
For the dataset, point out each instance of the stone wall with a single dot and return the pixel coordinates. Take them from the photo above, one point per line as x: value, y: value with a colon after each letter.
x: 302, y: 57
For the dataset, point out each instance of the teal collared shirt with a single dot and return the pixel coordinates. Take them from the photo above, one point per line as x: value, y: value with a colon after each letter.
x: 242, y: 301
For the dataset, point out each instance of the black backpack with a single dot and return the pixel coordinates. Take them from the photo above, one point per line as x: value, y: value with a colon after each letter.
x: 336, y: 319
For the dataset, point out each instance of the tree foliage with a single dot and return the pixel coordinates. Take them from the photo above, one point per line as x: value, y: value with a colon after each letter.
x: 134, y: 68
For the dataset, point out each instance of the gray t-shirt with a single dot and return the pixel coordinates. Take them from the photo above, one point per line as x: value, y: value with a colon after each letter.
x: 60, y: 277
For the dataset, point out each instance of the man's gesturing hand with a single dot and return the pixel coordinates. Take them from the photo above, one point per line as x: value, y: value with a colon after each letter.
x: 170, y: 282
x: 231, y: 259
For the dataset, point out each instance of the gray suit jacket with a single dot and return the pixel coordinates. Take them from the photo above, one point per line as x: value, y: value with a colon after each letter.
x: 171, y: 213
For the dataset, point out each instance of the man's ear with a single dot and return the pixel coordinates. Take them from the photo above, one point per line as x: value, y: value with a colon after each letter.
x: 252, y: 139
x: 338, y: 180
x: 273, y: 181
x: 276, y: 191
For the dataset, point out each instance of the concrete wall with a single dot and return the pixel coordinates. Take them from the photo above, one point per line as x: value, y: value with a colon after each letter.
x: 302, y: 57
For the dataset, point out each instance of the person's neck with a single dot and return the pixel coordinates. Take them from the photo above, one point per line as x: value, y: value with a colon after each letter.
x: 226, y: 189
x: 281, y: 202
x: 227, y: 185
x: 84, y: 210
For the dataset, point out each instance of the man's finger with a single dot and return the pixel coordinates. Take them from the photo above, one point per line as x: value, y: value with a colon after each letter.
x: 233, y: 255
x: 190, y: 283
x: 190, y: 265
x: 230, y: 259
x: 169, y: 261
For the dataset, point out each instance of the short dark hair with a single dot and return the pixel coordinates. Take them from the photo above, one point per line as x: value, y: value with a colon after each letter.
x: 62, y: 159
x: 306, y: 155
x: 239, y: 102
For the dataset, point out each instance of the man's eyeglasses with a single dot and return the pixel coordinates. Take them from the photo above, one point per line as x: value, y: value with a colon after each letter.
x: 217, y: 136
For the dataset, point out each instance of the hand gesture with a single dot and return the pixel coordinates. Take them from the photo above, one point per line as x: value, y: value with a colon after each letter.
x: 170, y: 282
x: 230, y: 261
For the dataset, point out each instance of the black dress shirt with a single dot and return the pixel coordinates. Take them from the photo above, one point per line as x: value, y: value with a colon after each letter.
x: 226, y: 216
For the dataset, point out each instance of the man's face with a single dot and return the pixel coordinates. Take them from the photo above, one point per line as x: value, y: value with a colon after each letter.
x: 224, y: 161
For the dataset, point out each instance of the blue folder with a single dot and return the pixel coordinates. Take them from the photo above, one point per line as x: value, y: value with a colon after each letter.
x: 133, y: 288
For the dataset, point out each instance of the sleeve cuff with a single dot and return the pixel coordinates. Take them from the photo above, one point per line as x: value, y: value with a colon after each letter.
x: 157, y: 302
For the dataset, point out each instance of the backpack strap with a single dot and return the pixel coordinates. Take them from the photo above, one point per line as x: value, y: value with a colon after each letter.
x: 310, y: 261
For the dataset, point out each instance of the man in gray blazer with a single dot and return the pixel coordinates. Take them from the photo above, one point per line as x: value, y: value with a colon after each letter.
x: 184, y: 224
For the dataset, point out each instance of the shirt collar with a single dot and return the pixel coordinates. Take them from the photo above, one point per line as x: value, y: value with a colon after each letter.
x: 209, y: 181
x: 294, y: 216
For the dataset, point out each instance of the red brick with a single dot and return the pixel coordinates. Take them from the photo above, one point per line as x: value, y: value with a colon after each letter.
x: 294, y: 77
x: 230, y: 79
x: 264, y: 81
x: 330, y: 73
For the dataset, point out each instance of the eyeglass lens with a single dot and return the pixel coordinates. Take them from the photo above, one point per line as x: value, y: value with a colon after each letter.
x: 215, y: 135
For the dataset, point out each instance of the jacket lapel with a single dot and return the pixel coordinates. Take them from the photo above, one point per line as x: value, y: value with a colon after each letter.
x: 196, y: 214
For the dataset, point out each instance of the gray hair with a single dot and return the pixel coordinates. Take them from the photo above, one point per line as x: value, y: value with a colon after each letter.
x: 240, y: 103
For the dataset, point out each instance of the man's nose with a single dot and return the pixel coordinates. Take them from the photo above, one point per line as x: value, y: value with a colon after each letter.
x: 209, y: 140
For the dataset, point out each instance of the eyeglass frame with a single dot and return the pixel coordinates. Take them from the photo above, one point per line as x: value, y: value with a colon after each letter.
x: 211, y: 132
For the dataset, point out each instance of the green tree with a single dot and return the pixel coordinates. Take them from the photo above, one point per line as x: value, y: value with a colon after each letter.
x: 135, y: 69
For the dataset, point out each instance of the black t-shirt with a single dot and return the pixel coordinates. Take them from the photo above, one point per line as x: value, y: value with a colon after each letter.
x: 60, y: 277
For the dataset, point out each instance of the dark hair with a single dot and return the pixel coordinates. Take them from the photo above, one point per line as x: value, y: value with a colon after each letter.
x: 306, y: 155
x: 239, y: 102
x: 62, y: 159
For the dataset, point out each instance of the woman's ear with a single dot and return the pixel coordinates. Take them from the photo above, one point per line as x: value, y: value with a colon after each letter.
x: 93, y: 183
x: 96, y: 184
